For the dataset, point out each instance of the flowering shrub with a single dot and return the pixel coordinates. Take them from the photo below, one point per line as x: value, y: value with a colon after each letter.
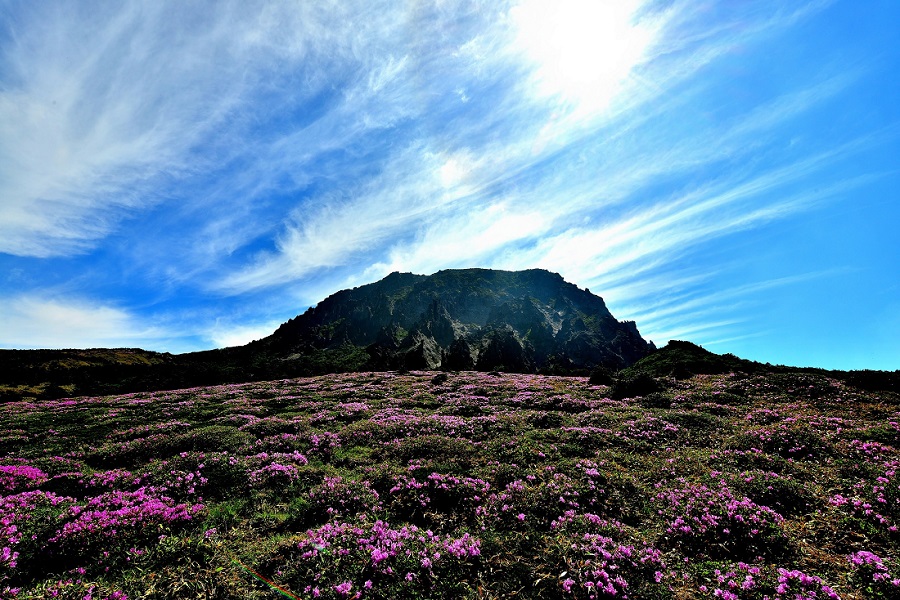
x: 438, y: 500
x: 340, y: 559
x: 779, y: 492
x: 532, y: 502
x: 323, y: 444
x: 114, y: 514
x: 26, y: 519
x: 392, y: 486
x: 337, y: 497
x: 752, y: 582
x: 598, y: 567
x: 794, y: 584
x: 874, y: 575
x: 876, y: 501
x: 283, y: 442
x: 20, y: 477
x: 274, y: 475
x: 276, y: 470
x: 595, y: 565
x: 795, y: 440
x: 710, y: 520
x: 110, y: 480
x: 647, y: 429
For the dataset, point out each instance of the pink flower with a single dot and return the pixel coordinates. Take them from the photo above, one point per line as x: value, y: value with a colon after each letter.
x: 343, y: 589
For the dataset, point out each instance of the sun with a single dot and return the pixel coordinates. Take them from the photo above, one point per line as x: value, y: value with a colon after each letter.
x: 583, y: 51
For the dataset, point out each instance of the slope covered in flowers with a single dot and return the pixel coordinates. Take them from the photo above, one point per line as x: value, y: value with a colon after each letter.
x: 471, y: 485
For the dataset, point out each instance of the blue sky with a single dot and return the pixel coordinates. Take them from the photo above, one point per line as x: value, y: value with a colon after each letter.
x: 181, y: 176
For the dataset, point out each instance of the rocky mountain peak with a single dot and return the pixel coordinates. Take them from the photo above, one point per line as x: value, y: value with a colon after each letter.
x: 466, y: 318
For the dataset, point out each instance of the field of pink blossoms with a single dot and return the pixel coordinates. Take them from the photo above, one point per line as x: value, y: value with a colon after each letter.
x: 424, y: 485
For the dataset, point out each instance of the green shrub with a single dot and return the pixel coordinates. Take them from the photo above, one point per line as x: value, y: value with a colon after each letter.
x: 634, y: 385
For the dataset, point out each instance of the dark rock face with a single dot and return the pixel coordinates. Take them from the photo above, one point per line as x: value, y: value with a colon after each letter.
x: 460, y: 356
x: 522, y: 321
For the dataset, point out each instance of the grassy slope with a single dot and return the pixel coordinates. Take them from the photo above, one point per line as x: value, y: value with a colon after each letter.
x: 682, y: 359
x: 453, y: 486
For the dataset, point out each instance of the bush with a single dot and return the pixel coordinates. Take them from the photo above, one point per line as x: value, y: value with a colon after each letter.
x: 708, y: 520
x: 632, y: 386
x: 601, y: 376
x: 381, y: 560
x: 656, y: 400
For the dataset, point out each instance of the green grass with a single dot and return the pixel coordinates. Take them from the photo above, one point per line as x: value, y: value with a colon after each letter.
x: 469, y: 486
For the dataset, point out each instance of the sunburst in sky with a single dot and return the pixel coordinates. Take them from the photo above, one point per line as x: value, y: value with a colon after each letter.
x: 181, y: 176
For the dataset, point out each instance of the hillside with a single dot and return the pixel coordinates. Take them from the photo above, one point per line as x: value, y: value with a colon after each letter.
x: 61, y: 373
x: 437, y: 485
x: 680, y: 359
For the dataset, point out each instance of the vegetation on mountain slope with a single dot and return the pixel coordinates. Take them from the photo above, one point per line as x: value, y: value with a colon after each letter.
x: 456, y: 485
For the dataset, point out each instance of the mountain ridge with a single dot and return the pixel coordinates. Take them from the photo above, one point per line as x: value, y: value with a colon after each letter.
x: 454, y: 320
x: 504, y: 320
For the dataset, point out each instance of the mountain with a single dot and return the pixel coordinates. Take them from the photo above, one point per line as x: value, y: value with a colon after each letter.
x: 468, y: 319
x: 523, y: 321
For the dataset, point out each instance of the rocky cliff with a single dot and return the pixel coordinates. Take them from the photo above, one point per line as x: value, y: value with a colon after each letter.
x: 465, y: 319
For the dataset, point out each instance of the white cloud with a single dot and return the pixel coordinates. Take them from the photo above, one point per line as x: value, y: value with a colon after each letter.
x: 88, y: 120
x: 95, y: 127
x: 31, y: 322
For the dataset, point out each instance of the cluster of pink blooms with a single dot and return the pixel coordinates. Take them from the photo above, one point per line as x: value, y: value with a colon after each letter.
x: 440, y: 492
x: 745, y: 580
x: 324, y: 443
x: 536, y: 498
x: 274, y: 472
x: 15, y: 511
x: 336, y: 496
x: 106, y: 515
x: 382, y: 552
x: 274, y: 468
x: 797, y: 585
x: 647, y: 428
x: 111, y: 479
x: 876, y: 501
x: 714, y: 513
x: 878, y: 572
x: 15, y: 477
x: 598, y: 566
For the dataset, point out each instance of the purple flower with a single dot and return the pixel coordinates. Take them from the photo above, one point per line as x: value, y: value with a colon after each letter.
x: 343, y: 588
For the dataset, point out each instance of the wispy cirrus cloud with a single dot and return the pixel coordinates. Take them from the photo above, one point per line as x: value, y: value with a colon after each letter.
x: 94, y: 128
x: 88, y: 121
x: 403, y: 218
x: 245, y: 159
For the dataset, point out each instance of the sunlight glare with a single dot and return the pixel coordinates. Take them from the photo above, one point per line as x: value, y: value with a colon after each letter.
x: 583, y: 50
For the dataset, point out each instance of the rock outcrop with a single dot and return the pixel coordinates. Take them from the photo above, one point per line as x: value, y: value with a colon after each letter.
x: 521, y: 321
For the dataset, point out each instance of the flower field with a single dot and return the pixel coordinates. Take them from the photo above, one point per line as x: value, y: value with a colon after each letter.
x: 468, y: 485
